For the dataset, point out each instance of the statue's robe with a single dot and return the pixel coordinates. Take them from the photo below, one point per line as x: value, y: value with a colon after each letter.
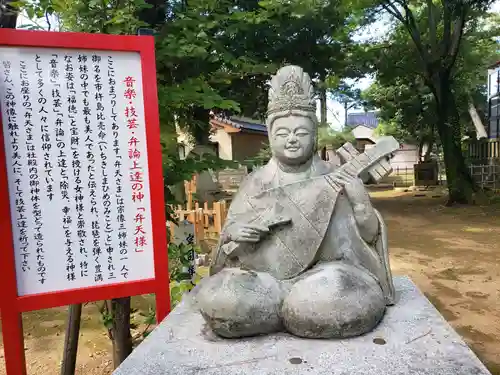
x: 328, y: 231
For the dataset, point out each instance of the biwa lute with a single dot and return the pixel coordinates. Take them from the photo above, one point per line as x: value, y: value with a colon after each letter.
x: 291, y: 210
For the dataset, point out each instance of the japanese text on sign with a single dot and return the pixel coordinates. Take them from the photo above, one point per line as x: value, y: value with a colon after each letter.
x: 77, y: 164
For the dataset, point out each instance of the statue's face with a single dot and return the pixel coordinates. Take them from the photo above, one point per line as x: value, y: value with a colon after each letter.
x: 292, y: 139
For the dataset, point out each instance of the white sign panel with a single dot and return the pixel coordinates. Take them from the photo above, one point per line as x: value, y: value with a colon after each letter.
x: 494, y: 82
x: 75, y: 145
x: 183, y: 233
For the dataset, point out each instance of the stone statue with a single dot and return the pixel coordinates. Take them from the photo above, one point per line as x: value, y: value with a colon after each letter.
x: 302, y: 249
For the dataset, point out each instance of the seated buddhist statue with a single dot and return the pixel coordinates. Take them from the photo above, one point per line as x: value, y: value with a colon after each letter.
x: 302, y: 249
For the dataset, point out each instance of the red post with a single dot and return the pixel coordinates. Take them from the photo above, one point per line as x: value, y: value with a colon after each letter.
x: 156, y: 184
x: 13, y: 342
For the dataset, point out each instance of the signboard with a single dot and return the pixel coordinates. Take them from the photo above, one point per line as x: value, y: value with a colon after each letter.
x: 183, y: 233
x: 82, y: 189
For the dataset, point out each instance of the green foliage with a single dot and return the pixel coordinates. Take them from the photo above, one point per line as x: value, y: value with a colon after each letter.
x: 263, y: 156
x: 176, y: 171
x: 407, y: 104
x: 436, y: 34
x: 210, y: 53
x: 92, y: 16
x: 180, y: 260
x: 107, y: 319
x: 334, y: 138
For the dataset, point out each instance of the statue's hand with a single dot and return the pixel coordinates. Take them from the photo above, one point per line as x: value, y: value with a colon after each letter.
x: 360, y: 201
x: 354, y: 189
x: 251, y: 233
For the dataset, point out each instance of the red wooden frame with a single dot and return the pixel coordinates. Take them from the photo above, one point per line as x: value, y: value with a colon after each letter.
x: 11, y: 305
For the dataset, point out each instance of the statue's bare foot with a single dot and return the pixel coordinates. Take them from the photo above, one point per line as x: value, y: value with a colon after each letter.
x: 239, y: 303
x: 334, y: 301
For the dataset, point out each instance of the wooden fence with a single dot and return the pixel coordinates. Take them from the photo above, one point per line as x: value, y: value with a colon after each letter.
x: 478, y: 151
x: 486, y: 176
x: 208, y: 221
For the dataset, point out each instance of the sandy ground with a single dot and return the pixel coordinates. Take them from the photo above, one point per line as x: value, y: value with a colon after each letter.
x: 452, y: 254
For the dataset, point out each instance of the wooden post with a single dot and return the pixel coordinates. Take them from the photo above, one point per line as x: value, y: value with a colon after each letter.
x: 206, y: 221
x: 217, y: 217
x: 198, y: 223
x: 122, y: 339
x: 180, y: 212
x: 68, y: 364
x: 171, y: 229
x: 223, y: 212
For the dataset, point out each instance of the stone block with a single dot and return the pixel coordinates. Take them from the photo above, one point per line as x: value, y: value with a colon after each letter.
x: 413, y: 339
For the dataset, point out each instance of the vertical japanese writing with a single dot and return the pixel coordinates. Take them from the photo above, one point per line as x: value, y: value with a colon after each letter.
x: 62, y: 164
x: 117, y: 175
x: 13, y: 129
x: 90, y: 158
x: 46, y: 142
x: 191, y: 256
x: 77, y: 166
x: 102, y: 146
x: 136, y: 174
x: 75, y: 147
x: 68, y: 222
x: 32, y: 161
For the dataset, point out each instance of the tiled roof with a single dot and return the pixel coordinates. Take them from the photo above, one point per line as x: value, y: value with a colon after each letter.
x: 368, y: 119
x: 237, y: 123
x: 497, y: 64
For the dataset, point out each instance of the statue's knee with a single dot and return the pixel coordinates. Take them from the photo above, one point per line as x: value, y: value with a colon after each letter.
x: 238, y: 303
x: 338, y: 301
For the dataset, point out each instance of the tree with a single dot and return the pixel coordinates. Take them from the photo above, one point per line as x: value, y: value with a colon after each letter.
x: 438, y: 33
x: 8, y: 14
x: 406, y: 104
x: 406, y: 109
x: 315, y: 35
x: 334, y: 138
x: 346, y: 95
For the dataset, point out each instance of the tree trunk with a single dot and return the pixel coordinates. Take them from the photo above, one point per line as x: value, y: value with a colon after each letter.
x: 200, y: 128
x: 122, y: 339
x: 480, y: 130
x: 71, y: 340
x: 427, y: 155
x: 346, y: 108
x: 8, y: 20
x: 461, y: 187
x: 322, y: 105
x: 155, y: 15
x: 420, y: 150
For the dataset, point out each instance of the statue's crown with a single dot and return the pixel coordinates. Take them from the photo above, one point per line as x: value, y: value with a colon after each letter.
x: 291, y: 89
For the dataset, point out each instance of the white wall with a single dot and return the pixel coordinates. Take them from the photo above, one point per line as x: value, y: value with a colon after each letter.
x: 184, y: 139
x: 363, y: 132
x: 225, y: 144
x: 405, y: 157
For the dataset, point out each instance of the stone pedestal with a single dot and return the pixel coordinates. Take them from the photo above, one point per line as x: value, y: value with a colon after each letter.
x: 412, y: 339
